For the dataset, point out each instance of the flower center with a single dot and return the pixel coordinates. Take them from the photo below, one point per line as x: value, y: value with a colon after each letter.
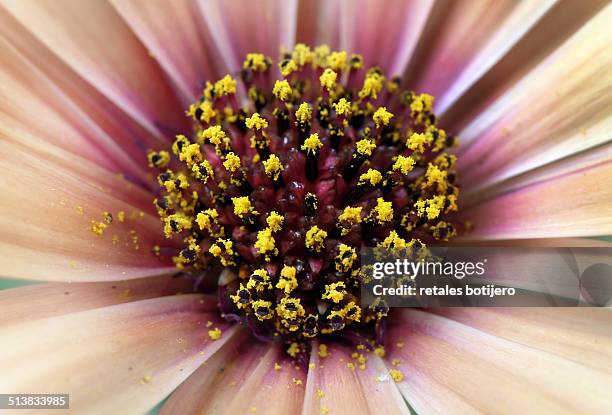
x: 288, y: 174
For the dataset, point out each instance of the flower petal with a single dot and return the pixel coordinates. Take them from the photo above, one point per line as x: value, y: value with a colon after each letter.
x: 462, y: 368
x: 388, y: 45
x: 173, y: 34
x: 537, y: 44
x: 239, y: 28
x: 37, y: 301
x: 572, y: 111
x: 119, y: 359
x: 573, y: 205
x: 47, y: 113
x: 242, y: 378
x: 464, y: 39
x: 49, y: 200
x: 318, y: 23
x: 581, y: 161
x: 334, y: 387
x: 581, y: 335
x: 97, y: 44
x: 82, y: 107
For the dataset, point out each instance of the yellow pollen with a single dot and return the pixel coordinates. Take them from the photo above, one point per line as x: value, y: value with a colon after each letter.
x: 304, y: 113
x: 265, y: 305
x: 255, y: 61
x: 404, y: 164
x: 207, y: 219
x: 396, y: 375
x: 282, y: 90
x: 293, y: 349
x: 259, y: 285
x: 208, y: 112
x: 312, y: 144
x: 418, y: 141
x: 328, y: 79
x: 232, y: 162
x: 382, y: 117
x: 98, y: 227
x: 277, y: 366
x: 315, y: 238
x: 343, y: 107
x: 337, y: 61
x: 384, y: 210
x: 225, y: 86
x: 356, y: 61
x: 321, y: 53
x: 273, y: 167
x: 215, y: 334
x: 203, y: 171
x: 372, y: 176
x: 323, y: 352
x: 422, y: 103
x: 287, y: 67
x: 365, y: 147
x: 302, y: 54
x: 191, y: 154
x: 393, y: 241
x: 275, y: 221
x: 265, y: 243
x: 435, y: 176
x: 379, y: 351
x: 372, y: 85
x: 256, y: 122
x: 176, y: 223
x: 158, y: 159
x: 334, y: 292
x: 224, y: 250
x: 350, y: 216
x: 287, y: 281
x: 345, y: 258
x: 242, y: 206
x: 215, y: 136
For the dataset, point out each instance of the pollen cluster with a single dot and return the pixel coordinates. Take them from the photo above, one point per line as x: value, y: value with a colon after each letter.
x: 290, y: 170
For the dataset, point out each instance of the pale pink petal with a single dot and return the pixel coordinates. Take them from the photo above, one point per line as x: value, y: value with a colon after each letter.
x: 239, y: 28
x: 37, y: 301
x: 96, y: 43
x: 542, y: 242
x: 268, y: 390
x: 246, y: 376
x: 318, y: 23
x: 581, y: 335
x: 337, y: 385
x: 561, y: 108
x: 533, y: 47
x: 46, y: 112
x: 573, y: 205
x: 174, y: 34
x: 386, y: 33
x: 464, y: 39
x: 119, y: 359
x: 452, y: 367
x: 81, y: 103
x: 572, y: 164
x: 49, y: 200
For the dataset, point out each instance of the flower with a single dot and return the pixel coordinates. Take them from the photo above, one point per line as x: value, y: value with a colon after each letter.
x: 88, y: 88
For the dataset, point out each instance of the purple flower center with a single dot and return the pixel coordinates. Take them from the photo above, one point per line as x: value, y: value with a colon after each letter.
x: 288, y: 173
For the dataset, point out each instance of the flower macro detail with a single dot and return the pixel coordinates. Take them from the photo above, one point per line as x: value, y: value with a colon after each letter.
x: 284, y: 188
